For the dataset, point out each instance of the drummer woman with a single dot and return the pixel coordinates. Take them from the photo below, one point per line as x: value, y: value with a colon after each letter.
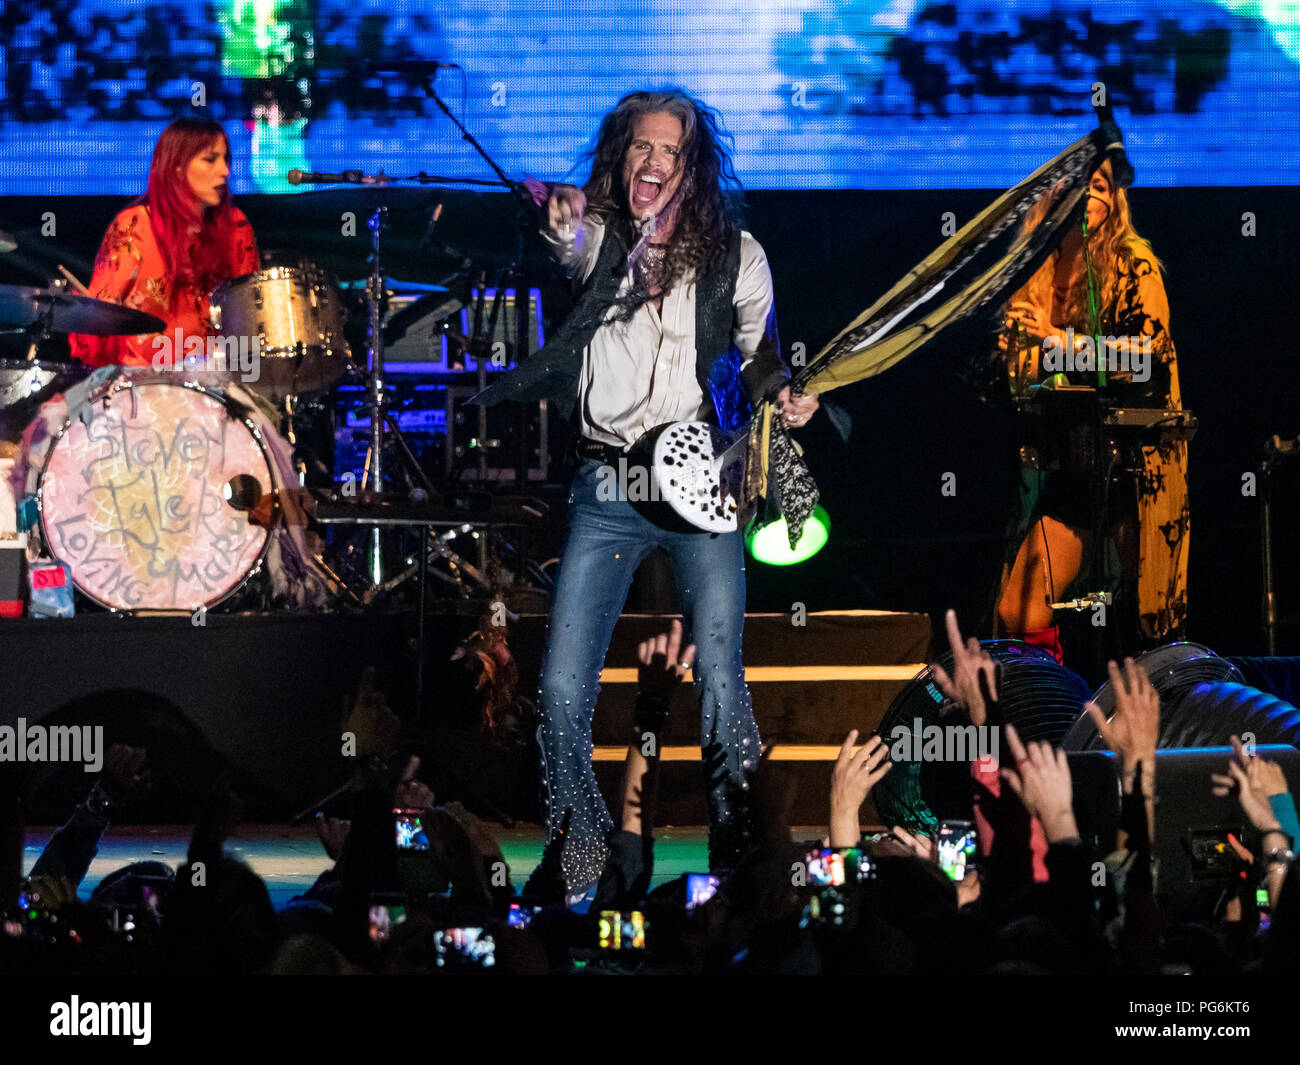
x: 166, y: 252
x: 1146, y: 516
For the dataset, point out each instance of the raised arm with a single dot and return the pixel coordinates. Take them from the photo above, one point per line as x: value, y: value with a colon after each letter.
x: 573, y: 238
x: 117, y: 265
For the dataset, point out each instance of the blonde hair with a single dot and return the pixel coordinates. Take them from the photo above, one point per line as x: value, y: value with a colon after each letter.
x: 1112, y: 248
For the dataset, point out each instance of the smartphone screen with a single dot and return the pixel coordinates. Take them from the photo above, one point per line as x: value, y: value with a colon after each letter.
x: 621, y: 931
x: 700, y: 887
x: 956, y: 848
x: 409, y: 827
x: 468, y: 947
x: 386, y: 913
x: 521, y: 914
x: 831, y: 882
x: 835, y: 866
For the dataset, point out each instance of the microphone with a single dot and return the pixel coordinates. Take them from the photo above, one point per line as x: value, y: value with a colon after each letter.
x: 348, y: 177
x: 1111, y: 141
x: 407, y: 66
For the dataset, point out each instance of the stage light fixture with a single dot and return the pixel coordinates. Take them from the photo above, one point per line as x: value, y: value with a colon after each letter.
x: 771, y: 543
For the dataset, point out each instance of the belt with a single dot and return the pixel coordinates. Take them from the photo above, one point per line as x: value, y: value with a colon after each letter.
x: 601, y: 452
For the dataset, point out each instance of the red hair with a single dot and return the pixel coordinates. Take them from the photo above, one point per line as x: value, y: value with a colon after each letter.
x: 204, y: 261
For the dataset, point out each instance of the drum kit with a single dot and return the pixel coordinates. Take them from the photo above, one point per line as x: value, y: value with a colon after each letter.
x: 146, y: 482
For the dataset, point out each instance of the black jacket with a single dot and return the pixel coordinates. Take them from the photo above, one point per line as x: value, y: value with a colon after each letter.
x: 552, y: 372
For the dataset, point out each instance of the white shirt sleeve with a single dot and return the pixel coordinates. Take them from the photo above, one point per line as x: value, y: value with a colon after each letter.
x: 754, y: 330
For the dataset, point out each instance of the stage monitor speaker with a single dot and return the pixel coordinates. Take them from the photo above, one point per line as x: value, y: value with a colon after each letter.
x: 1196, y: 863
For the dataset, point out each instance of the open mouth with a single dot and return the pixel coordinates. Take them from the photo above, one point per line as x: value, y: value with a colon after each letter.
x: 646, y: 189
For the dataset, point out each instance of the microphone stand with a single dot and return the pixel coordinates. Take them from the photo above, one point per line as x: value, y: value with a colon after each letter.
x: 376, y: 305
x: 1106, y: 463
x: 527, y: 214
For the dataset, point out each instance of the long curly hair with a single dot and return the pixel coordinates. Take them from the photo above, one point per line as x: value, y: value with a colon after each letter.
x: 1112, y: 248
x: 709, y: 196
x: 203, y: 261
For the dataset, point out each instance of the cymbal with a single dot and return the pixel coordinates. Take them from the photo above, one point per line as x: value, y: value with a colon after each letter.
x: 66, y: 312
x: 7, y: 242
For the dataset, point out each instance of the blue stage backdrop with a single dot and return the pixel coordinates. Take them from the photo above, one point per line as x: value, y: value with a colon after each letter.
x: 818, y: 93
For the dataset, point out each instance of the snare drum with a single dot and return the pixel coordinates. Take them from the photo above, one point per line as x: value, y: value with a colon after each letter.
x: 130, y: 495
x: 296, y: 313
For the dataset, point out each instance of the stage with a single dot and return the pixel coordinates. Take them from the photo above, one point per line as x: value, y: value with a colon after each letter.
x: 263, y: 695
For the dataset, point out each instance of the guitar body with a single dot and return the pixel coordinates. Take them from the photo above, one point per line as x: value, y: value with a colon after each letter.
x: 698, y: 472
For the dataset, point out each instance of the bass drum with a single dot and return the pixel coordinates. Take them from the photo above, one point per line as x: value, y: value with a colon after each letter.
x: 131, y: 497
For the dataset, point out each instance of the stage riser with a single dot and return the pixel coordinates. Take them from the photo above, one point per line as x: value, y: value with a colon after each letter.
x: 265, y: 694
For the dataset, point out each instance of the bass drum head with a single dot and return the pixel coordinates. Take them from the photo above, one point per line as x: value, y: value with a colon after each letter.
x: 130, y: 497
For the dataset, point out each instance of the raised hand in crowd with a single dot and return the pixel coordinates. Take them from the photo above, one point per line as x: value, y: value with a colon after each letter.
x: 1041, y: 779
x: 1256, y: 782
x: 1134, y: 728
x: 973, y: 683
x: 663, y: 663
x: 1253, y: 780
x: 1132, y: 733
x: 854, y: 775
x: 125, y: 770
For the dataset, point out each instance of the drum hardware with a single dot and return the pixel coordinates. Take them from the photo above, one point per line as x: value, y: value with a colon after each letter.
x: 423, y: 517
x: 382, y: 423
x: 436, y: 546
x: 376, y: 305
x: 1085, y: 602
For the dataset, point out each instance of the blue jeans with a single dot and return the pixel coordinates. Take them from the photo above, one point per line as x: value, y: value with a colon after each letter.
x: 606, y: 541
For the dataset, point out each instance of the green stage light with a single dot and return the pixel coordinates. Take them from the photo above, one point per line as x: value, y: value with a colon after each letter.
x: 771, y: 543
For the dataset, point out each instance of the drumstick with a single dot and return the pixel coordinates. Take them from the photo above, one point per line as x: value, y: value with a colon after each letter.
x: 73, y: 278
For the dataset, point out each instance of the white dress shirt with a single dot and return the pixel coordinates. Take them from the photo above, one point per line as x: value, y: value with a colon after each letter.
x: 640, y: 374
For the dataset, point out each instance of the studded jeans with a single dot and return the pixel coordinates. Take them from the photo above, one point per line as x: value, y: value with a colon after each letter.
x: 606, y: 540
